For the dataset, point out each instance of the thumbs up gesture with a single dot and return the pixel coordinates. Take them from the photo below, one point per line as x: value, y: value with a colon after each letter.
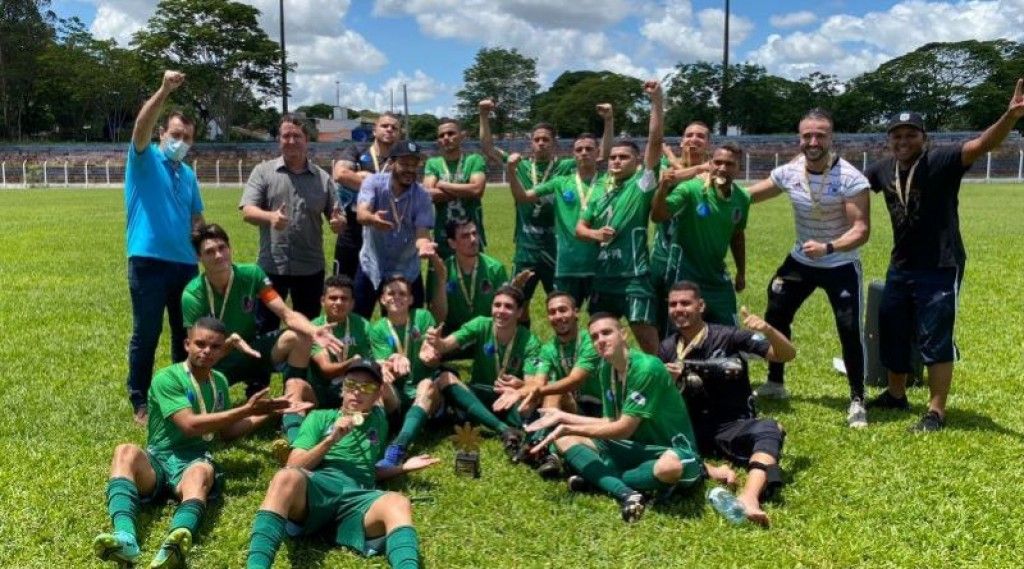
x: 279, y: 218
x: 753, y: 321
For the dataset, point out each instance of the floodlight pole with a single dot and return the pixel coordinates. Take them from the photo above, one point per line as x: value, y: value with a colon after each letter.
x: 723, y: 125
x: 284, y: 64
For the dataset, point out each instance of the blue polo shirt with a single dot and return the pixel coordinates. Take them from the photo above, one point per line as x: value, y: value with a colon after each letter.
x: 386, y: 253
x: 159, y: 202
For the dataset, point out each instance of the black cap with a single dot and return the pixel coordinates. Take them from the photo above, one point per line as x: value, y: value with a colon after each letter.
x: 365, y: 365
x: 905, y: 118
x: 405, y: 148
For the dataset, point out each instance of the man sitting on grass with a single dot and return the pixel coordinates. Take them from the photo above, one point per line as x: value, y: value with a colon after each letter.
x: 328, y: 485
x: 188, y: 406
x: 644, y: 441
x: 722, y: 408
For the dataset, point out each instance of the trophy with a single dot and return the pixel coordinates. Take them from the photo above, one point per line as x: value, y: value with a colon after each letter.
x: 467, y: 442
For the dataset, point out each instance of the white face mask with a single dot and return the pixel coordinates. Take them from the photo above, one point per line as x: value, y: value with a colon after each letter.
x: 175, y: 149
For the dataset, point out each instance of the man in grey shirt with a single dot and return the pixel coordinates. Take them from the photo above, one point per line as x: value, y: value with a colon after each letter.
x: 397, y: 216
x: 286, y: 197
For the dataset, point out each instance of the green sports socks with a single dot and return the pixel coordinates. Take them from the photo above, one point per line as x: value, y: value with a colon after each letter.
x: 290, y: 425
x: 587, y: 462
x: 123, y: 504
x: 268, y: 531
x: 403, y: 548
x: 466, y: 400
x: 411, y: 426
x: 642, y: 477
x: 188, y: 515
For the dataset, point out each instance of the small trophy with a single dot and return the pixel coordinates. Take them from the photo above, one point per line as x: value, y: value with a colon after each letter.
x: 467, y: 442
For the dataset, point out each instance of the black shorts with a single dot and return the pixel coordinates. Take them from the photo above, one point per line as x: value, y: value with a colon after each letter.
x: 918, y: 304
x: 739, y: 440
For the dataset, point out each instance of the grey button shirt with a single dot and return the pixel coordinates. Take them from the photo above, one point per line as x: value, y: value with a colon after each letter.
x: 385, y: 253
x: 308, y: 197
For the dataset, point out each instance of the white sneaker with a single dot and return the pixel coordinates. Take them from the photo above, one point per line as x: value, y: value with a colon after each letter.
x: 857, y: 415
x: 772, y: 390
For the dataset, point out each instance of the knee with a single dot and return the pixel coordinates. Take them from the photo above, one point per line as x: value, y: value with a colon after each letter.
x: 668, y: 468
x: 397, y: 510
x: 426, y: 388
x: 126, y: 455
x: 444, y: 380
x: 287, y: 482
x: 300, y: 387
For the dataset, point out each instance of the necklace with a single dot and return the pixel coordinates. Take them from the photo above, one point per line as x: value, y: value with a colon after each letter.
x: 227, y: 293
x: 826, y: 178
x: 619, y: 380
x: 458, y: 169
x: 400, y: 347
x: 509, y: 348
x: 199, y: 395
x: 398, y: 214
x: 533, y: 172
x: 470, y: 292
x: 584, y: 190
x: 903, y: 194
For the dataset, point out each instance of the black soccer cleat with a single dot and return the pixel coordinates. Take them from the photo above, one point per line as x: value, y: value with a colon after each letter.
x: 632, y: 507
x: 512, y: 442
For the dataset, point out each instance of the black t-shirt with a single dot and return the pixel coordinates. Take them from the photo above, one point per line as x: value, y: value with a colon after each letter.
x: 720, y: 402
x: 362, y: 161
x: 925, y: 234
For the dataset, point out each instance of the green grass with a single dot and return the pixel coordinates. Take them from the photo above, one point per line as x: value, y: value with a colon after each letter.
x: 872, y: 498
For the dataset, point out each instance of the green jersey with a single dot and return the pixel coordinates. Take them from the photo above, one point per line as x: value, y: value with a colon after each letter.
x: 248, y: 287
x: 387, y: 339
x: 534, y: 233
x: 457, y: 172
x: 173, y: 390
x: 558, y: 359
x: 357, y: 453
x: 354, y: 334
x: 574, y: 257
x: 647, y: 393
x: 470, y: 294
x: 626, y: 207
x: 705, y: 227
x: 664, y: 235
x: 518, y: 357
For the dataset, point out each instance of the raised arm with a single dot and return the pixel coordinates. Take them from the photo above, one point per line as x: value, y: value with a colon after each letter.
x: 486, y: 139
x: 660, y: 210
x: 150, y: 112
x: 995, y: 134
x: 655, y: 131
x: 606, y: 112
x: 520, y: 194
x: 781, y: 349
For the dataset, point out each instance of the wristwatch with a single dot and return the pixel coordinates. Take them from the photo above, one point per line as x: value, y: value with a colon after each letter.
x: 830, y: 248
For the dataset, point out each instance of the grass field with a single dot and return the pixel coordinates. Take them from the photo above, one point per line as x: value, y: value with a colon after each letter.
x: 873, y: 498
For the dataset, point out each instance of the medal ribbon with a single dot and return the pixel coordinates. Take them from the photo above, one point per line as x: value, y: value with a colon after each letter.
x: 533, y: 172
x: 584, y: 190
x: 469, y: 293
x: 199, y: 395
x: 620, y: 396
x: 508, y: 353
x: 684, y: 350
x: 400, y: 348
x: 227, y: 292
x: 826, y: 179
x: 903, y: 194
x: 575, y: 353
x: 458, y: 169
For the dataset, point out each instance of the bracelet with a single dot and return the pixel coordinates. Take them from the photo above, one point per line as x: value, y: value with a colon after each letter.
x: 830, y: 248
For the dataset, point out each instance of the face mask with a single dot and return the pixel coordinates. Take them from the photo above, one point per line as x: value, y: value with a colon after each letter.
x: 175, y: 149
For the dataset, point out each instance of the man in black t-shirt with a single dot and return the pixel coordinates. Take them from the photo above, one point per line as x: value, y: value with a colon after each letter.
x: 355, y: 165
x: 722, y: 407
x: 921, y: 188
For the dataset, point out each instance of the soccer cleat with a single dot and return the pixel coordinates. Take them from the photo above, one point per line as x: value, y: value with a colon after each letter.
x: 886, y: 400
x: 394, y: 456
x: 550, y: 467
x: 118, y: 547
x: 512, y: 440
x: 930, y: 422
x: 632, y: 507
x: 173, y: 551
x: 577, y: 483
x: 280, y: 449
x: 856, y: 415
x: 772, y: 390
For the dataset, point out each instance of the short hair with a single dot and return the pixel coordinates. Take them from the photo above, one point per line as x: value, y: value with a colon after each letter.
x: 397, y: 279
x: 451, y: 228
x: 340, y: 281
x: 512, y: 292
x: 389, y: 115
x: 628, y: 143
x: 686, y: 285
x: 560, y: 294
x: 544, y: 126
x: 181, y: 116
x: 818, y: 113
x: 449, y: 120
x: 584, y: 135
x: 731, y: 147
x: 701, y: 124
x: 603, y: 315
x: 212, y: 324
x: 292, y: 118
x: 209, y: 231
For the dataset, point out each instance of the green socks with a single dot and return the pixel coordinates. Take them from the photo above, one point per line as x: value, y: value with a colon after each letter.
x: 290, y: 425
x: 123, y: 505
x: 466, y: 400
x: 642, y: 477
x: 403, y: 548
x: 188, y: 515
x: 588, y: 464
x: 268, y: 531
x: 411, y: 426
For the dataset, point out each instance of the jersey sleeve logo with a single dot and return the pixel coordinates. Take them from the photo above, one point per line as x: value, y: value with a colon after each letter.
x: 703, y: 210
x: 248, y: 304
x: 638, y: 398
x: 489, y: 348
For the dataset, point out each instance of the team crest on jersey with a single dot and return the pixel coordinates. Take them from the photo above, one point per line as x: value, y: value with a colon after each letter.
x: 248, y: 304
x: 609, y: 395
x: 415, y: 334
x: 489, y: 348
x: 451, y: 287
x: 372, y: 436
x: 191, y: 396
x: 391, y: 342
x: 833, y: 188
x: 737, y: 215
x: 486, y: 287
x: 569, y: 196
x: 703, y: 210
x: 638, y: 398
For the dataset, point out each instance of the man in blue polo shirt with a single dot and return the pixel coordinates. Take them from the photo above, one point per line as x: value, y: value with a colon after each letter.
x: 397, y: 216
x: 162, y: 204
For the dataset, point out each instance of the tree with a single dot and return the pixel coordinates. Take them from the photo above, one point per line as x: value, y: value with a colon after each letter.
x: 692, y: 95
x: 423, y: 127
x: 507, y: 77
x: 25, y: 31
x: 317, y: 111
x: 227, y: 58
x: 569, y: 103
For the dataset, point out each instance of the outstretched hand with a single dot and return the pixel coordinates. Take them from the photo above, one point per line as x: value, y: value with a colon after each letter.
x: 235, y: 342
x: 419, y: 462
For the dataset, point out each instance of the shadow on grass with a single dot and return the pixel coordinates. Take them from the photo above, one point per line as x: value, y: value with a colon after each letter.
x: 964, y: 420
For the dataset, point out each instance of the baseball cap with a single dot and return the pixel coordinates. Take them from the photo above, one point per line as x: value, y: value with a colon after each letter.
x: 405, y: 148
x: 365, y: 365
x: 905, y: 118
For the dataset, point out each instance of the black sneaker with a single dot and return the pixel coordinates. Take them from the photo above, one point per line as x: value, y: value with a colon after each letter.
x: 930, y: 422
x: 632, y: 507
x: 886, y: 400
x: 550, y: 467
x: 577, y: 483
x: 512, y: 441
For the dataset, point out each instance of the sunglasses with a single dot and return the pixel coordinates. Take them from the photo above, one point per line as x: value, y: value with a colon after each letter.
x: 353, y: 386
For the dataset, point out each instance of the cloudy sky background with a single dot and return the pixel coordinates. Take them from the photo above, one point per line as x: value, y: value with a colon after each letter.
x: 372, y: 46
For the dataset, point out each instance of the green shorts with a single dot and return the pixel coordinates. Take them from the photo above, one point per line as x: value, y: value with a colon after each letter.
x: 623, y: 455
x: 719, y: 304
x: 578, y: 287
x: 238, y: 367
x: 632, y: 298
x: 544, y: 273
x: 335, y: 502
x: 170, y: 467
x: 486, y: 394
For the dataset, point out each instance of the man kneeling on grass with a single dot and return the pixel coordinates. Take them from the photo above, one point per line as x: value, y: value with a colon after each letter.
x: 644, y: 442
x: 328, y: 484
x: 188, y: 405
x: 722, y: 405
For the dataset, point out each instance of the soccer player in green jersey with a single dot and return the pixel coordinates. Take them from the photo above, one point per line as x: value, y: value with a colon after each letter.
x: 534, y: 236
x: 231, y: 292
x: 504, y: 355
x: 644, y: 441
x: 570, y: 194
x: 328, y: 484
x: 188, y: 405
x: 616, y: 217
x: 692, y: 161
x: 711, y: 216
x: 455, y: 181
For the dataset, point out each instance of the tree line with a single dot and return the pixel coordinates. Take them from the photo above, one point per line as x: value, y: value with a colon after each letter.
x: 58, y: 82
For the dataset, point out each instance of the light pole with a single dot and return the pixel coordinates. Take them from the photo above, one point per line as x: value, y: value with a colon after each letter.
x: 723, y: 124
x: 284, y: 64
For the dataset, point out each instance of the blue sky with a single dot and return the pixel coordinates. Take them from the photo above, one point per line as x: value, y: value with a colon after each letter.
x: 369, y: 47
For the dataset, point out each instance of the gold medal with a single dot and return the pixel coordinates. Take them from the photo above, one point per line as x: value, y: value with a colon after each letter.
x: 199, y: 395
x: 357, y: 419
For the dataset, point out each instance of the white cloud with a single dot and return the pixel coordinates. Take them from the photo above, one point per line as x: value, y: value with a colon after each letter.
x: 793, y: 19
x: 425, y: 92
x: 688, y: 36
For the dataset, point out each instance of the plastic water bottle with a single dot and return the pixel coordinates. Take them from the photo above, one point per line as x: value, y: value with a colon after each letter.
x: 726, y: 504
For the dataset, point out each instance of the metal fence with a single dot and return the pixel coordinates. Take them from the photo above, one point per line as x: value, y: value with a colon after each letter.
x: 1003, y: 166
